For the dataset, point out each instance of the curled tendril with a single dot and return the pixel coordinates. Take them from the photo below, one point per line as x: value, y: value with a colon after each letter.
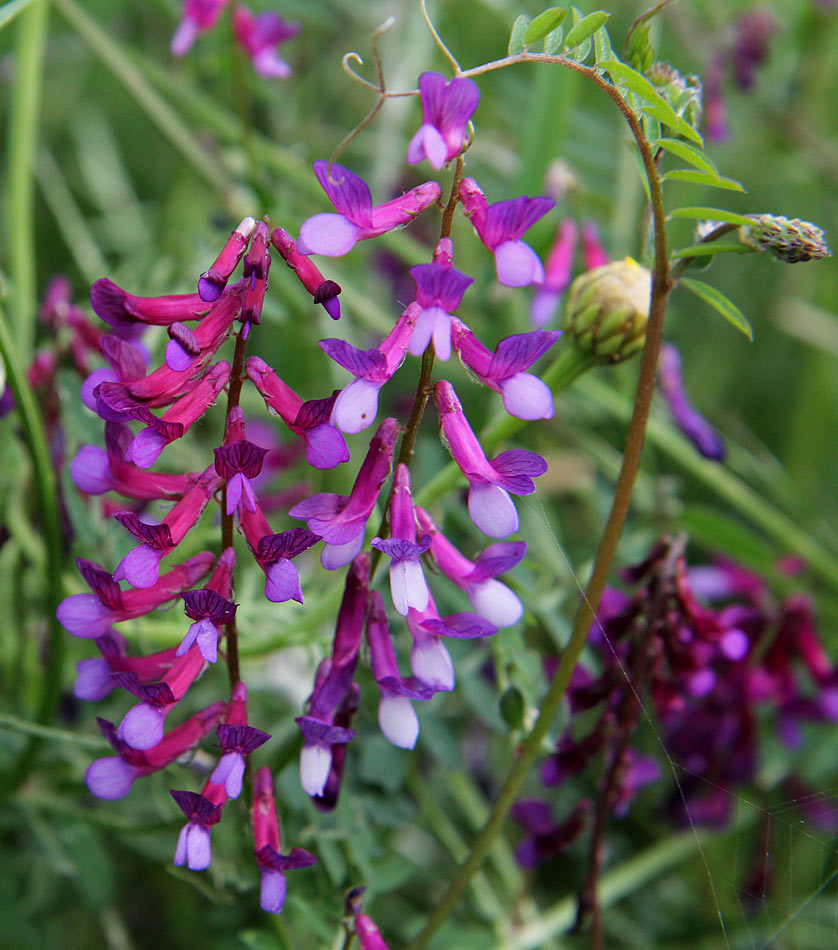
x: 381, y: 88
x: 438, y: 39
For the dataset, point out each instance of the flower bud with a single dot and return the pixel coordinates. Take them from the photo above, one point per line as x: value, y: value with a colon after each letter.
x: 608, y: 308
x: 684, y: 93
x: 789, y: 239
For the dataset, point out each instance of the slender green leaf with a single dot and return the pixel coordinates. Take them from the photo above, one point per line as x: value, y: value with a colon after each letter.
x: 689, y: 153
x: 585, y: 28
x: 543, y: 24
x: 517, y: 40
x: 718, y: 301
x: 702, y: 178
x: 10, y: 10
x: 711, y: 214
x: 602, y: 45
x: 662, y: 110
x: 553, y: 41
x: 717, y: 247
x: 637, y: 82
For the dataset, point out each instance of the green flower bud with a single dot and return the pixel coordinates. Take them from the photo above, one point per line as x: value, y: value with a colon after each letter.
x: 608, y: 308
x: 789, y: 239
x: 684, y: 93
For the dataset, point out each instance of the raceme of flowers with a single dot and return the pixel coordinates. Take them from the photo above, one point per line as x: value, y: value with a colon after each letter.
x: 146, y: 409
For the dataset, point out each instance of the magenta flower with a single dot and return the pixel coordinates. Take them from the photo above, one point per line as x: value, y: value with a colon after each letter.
x: 210, y: 609
x: 274, y: 554
x: 198, y: 17
x: 356, y: 405
x: 489, y: 597
x: 524, y: 394
x: 447, y: 108
x: 267, y: 844
x: 141, y: 565
x: 333, y: 235
x: 325, y: 446
x: 93, y: 675
x: 439, y: 291
x: 396, y: 716
x: 340, y: 520
x: 695, y: 427
x: 324, y: 291
x: 111, y: 778
x: 546, y: 839
x: 490, y: 482
x: 124, y: 311
x: 500, y: 227
x: 594, y: 253
x: 237, y: 462
x: 237, y: 740
x: 260, y: 35
x: 213, y: 281
x: 91, y: 615
x: 408, y: 587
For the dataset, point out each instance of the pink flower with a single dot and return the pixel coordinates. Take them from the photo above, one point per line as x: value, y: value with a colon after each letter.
x: 260, y: 36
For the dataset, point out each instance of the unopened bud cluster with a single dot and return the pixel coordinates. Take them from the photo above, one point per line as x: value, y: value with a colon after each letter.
x: 789, y: 239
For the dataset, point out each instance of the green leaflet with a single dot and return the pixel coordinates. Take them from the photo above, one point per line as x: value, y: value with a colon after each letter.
x: 718, y: 301
x: 543, y: 24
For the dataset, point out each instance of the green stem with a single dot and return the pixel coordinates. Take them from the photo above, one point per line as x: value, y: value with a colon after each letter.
x: 23, y: 142
x: 585, y: 614
x: 47, y: 494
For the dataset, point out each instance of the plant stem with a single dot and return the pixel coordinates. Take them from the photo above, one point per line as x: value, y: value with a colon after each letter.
x: 585, y: 614
x: 23, y: 140
x: 233, y: 394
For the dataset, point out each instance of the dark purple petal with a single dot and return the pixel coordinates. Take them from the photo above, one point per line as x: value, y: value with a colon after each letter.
x: 101, y: 583
x: 464, y: 626
x: 197, y: 808
x: 497, y: 559
x: 508, y: 220
x: 410, y: 686
x: 368, y: 364
x: 514, y: 354
x: 314, y: 730
x: 315, y: 412
x: 155, y: 694
x: 298, y: 858
x: 399, y: 549
x: 437, y: 285
x: 243, y: 739
x: 286, y: 544
x: 240, y: 456
x: 185, y: 338
x: 347, y: 192
x: 156, y: 536
x: 127, y: 359
x: 533, y: 816
x: 208, y: 605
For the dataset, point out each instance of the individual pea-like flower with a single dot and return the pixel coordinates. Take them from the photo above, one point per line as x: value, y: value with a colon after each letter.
x: 340, y: 520
x: 408, y: 587
x: 505, y: 371
x: 439, y: 291
x: 447, y: 108
x: 500, y: 227
x: 237, y: 740
x: 213, y: 281
x: 324, y: 291
x: 356, y: 405
x: 261, y: 35
x: 93, y: 674
x: 193, y: 843
x: 490, y: 481
x: 267, y: 844
x: 111, y: 778
x: 237, y: 462
x: 357, y: 219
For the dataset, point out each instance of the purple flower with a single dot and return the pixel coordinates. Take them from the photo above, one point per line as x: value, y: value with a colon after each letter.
x: 356, y: 405
x: 395, y: 714
x: 333, y: 235
x: 193, y: 844
x: 447, y: 108
x: 408, y: 587
x: 500, y: 227
x: 490, y: 482
x: 439, y: 291
x: 238, y: 462
x: 274, y: 553
x: 333, y: 682
x: 209, y: 611
x: 694, y: 426
x: 260, y: 36
x: 236, y: 742
x: 324, y: 291
x: 524, y: 394
x: 489, y: 597
x: 339, y: 520
x: 212, y: 282
x: 546, y: 839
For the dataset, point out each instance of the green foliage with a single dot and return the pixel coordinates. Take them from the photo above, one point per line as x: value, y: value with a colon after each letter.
x: 544, y: 23
x: 719, y: 302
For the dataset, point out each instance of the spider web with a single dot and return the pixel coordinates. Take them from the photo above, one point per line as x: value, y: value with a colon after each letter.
x: 772, y: 872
